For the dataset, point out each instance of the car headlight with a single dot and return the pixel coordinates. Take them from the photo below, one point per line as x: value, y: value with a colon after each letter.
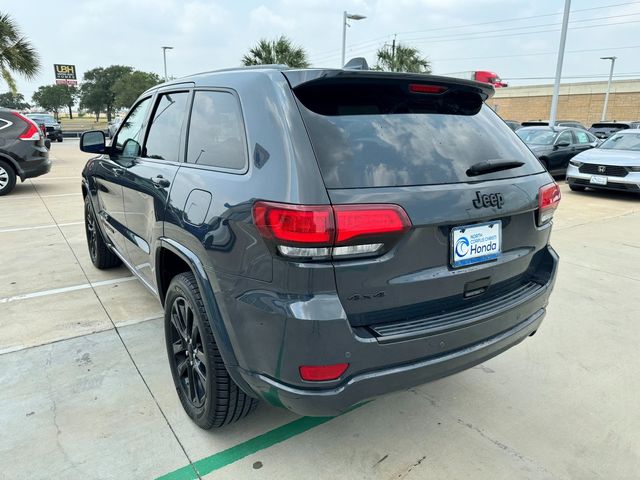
x: 575, y: 163
x: 634, y: 168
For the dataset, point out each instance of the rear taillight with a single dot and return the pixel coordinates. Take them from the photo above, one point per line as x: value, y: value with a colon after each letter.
x: 323, y: 231
x: 31, y: 132
x: 548, y: 201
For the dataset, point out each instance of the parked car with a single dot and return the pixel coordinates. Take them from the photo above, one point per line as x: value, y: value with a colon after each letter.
x: 555, y: 146
x: 557, y: 123
x: 317, y: 238
x: 603, y: 130
x: 23, y: 153
x: 570, y: 123
x: 113, y: 126
x: 52, y: 126
x: 615, y: 165
x: 513, y: 125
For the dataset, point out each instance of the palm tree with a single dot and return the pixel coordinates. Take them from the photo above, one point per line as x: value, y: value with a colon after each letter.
x: 402, y: 59
x: 280, y: 51
x: 17, y: 55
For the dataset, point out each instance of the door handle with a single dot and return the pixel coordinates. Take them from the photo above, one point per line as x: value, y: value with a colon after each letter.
x: 160, y: 182
x: 118, y: 171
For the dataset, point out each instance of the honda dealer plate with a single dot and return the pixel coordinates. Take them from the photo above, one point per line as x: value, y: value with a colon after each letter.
x: 476, y: 243
x: 598, y: 180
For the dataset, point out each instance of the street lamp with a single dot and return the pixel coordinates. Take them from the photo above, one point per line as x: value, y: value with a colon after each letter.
x: 606, y: 95
x: 556, y: 83
x: 164, y: 56
x: 347, y: 16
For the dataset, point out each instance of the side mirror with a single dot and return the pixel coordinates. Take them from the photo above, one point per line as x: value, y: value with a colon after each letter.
x: 93, y: 142
x: 47, y: 143
x: 562, y: 145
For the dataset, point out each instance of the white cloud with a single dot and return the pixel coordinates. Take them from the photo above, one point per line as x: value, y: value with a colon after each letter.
x: 263, y: 16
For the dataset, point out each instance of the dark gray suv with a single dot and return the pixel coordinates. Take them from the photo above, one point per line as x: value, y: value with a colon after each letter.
x: 319, y: 237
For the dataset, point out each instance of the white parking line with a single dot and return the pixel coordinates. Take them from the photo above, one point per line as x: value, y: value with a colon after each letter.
x: 71, y: 288
x: 61, y: 195
x: 38, y: 227
x: 42, y: 180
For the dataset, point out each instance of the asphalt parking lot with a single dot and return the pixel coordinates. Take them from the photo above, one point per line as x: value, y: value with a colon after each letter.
x: 86, y: 390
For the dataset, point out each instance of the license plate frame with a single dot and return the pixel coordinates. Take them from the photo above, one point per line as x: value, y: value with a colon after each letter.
x: 598, y: 180
x: 459, y: 259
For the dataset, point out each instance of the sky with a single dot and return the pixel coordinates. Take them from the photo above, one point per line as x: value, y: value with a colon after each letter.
x: 517, y: 39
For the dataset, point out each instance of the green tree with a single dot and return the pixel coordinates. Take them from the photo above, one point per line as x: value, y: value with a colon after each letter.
x: 401, y: 58
x: 129, y: 87
x: 70, y: 97
x: 53, y: 97
x: 97, y: 93
x: 14, y: 101
x: 17, y: 55
x: 279, y: 51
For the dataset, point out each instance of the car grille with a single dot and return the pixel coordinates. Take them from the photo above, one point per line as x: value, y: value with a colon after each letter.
x: 610, y: 185
x: 389, y: 332
x: 609, y: 170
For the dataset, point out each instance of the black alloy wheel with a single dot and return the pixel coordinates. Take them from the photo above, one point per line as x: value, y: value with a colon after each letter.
x: 188, y: 352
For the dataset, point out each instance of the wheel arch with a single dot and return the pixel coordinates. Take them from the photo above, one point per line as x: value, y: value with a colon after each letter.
x: 16, y: 168
x: 170, y: 253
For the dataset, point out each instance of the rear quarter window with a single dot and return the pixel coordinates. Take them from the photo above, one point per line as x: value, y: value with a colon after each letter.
x: 216, y: 131
x: 363, y: 140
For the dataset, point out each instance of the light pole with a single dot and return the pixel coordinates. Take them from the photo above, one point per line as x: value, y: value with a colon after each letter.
x: 164, y: 57
x: 347, y: 16
x: 606, y: 95
x: 556, y: 85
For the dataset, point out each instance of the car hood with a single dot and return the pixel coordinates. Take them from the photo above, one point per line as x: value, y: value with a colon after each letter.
x: 610, y: 157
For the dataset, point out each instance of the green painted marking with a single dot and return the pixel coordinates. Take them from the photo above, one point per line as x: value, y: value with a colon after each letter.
x: 244, y: 449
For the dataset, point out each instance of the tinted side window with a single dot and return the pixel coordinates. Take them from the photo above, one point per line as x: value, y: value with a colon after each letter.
x: 583, y: 137
x: 216, y: 131
x: 163, y: 140
x: 129, y: 136
x: 565, y: 137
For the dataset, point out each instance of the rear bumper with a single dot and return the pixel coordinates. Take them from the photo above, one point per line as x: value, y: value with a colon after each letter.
x: 376, y: 367
x: 367, y: 385
x: 35, y: 167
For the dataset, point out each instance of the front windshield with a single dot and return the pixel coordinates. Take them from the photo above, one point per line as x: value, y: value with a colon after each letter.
x: 623, y: 141
x: 536, y: 137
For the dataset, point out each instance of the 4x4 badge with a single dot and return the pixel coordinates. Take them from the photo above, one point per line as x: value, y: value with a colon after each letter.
x: 488, y: 200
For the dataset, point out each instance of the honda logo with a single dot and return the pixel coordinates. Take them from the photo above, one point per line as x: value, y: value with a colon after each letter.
x: 602, y: 169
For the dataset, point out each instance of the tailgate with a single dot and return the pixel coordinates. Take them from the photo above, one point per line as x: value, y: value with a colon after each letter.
x: 430, y: 145
x: 416, y: 278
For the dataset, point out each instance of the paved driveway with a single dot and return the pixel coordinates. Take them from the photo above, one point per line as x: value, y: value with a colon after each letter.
x: 85, y: 388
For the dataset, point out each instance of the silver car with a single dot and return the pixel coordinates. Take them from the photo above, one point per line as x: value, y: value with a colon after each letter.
x: 614, y: 165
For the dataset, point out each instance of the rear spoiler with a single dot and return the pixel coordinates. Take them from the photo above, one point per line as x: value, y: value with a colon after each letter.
x: 296, y: 78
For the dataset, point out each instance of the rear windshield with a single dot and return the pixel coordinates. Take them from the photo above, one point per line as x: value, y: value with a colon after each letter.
x: 367, y: 136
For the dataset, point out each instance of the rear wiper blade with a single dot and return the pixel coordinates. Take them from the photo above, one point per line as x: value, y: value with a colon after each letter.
x: 489, y: 166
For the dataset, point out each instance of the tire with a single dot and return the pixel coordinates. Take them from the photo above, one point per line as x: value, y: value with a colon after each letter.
x: 60, y: 139
x: 207, y: 393
x: 101, y: 255
x: 577, y: 188
x: 7, y: 178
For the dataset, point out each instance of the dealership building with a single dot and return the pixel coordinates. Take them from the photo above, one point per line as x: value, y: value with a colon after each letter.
x: 578, y: 101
